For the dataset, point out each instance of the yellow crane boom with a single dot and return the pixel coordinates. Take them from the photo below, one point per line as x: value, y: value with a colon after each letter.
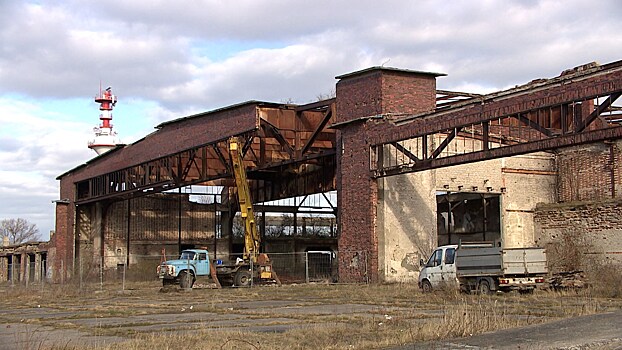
x: 252, y: 239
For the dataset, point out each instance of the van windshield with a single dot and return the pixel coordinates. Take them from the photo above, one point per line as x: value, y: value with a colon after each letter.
x: 435, y: 259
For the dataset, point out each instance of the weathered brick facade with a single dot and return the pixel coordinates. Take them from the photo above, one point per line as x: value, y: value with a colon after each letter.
x: 579, y: 233
x: 361, y: 95
x: 590, y: 172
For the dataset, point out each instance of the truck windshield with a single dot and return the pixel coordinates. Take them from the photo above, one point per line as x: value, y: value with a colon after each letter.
x: 187, y: 256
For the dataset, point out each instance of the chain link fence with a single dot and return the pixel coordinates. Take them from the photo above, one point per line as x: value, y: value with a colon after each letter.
x: 137, y: 271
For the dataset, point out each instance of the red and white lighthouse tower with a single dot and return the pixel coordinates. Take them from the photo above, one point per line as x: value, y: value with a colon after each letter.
x: 105, y: 139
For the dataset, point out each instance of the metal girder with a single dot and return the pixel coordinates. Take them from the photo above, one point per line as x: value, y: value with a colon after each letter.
x: 599, y: 110
x: 445, y: 142
x: 191, y: 161
x: 404, y: 151
x: 271, y: 131
x: 225, y: 163
x: 521, y: 117
x: 330, y: 112
x: 539, y: 116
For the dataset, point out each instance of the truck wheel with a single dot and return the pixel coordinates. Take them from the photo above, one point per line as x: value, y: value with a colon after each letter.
x: 484, y: 287
x: 426, y: 286
x: 186, y: 280
x: 242, y: 278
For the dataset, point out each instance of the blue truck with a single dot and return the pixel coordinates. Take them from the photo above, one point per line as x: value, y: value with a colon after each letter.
x: 195, y: 263
x: 191, y: 264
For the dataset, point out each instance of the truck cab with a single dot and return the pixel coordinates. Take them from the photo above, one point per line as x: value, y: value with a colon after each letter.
x: 191, y: 263
x: 439, y: 270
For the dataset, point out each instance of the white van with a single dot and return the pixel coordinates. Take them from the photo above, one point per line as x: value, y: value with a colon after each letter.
x: 440, y: 269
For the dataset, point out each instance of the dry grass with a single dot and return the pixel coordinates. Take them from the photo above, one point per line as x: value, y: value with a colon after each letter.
x: 399, y: 314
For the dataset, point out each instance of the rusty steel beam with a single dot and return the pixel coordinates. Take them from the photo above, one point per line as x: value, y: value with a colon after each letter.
x: 404, y: 151
x: 598, y: 111
x: 191, y: 161
x: 559, y: 91
x: 521, y: 117
x: 554, y: 108
x: 445, y: 142
x: 221, y: 157
x: 330, y: 112
x: 524, y: 148
x: 316, y: 105
x: 272, y: 131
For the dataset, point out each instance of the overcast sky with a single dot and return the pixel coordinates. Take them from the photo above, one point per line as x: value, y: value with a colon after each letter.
x: 169, y: 59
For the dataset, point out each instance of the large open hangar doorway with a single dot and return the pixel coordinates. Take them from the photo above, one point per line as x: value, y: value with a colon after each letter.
x: 175, y: 189
x: 468, y: 217
x: 135, y: 234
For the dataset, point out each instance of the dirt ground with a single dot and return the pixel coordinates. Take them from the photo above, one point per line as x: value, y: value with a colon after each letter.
x: 294, y: 316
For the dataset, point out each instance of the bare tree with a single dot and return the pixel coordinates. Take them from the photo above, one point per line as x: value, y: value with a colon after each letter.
x: 326, y: 96
x: 19, y: 231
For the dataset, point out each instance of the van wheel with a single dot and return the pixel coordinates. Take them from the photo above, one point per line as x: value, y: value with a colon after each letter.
x: 426, y: 286
x: 484, y: 287
x: 465, y: 289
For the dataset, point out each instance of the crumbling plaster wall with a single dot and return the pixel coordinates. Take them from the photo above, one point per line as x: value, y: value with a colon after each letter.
x: 407, y: 224
x: 407, y: 206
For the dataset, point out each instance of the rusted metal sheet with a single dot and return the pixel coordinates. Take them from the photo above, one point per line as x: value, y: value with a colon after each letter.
x: 283, y: 147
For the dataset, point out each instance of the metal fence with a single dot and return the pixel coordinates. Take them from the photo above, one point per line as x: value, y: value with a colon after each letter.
x: 306, y: 267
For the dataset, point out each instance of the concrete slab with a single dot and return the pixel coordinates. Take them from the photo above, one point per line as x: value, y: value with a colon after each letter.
x: 25, y: 336
x: 600, y: 331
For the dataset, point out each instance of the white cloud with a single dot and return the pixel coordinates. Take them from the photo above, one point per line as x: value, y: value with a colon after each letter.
x: 168, y: 60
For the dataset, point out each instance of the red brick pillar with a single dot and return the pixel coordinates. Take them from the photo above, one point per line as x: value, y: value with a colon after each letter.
x: 63, y: 240
x: 362, y: 98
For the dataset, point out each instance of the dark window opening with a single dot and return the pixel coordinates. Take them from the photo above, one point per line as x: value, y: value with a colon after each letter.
x: 468, y: 217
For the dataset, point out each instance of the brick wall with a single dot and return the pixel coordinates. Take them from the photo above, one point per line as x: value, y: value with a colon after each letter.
x: 576, y: 233
x: 357, y: 197
x: 590, y: 172
x: 408, y: 93
x: 359, y: 96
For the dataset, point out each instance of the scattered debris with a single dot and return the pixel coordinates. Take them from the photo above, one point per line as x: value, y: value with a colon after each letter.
x: 566, y: 280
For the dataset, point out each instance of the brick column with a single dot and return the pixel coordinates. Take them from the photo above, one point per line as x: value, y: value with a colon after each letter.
x: 62, y: 241
x: 363, y: 97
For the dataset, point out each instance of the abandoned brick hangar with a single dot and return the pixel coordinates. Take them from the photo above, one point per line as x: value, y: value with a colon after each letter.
x: 412, y: 167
